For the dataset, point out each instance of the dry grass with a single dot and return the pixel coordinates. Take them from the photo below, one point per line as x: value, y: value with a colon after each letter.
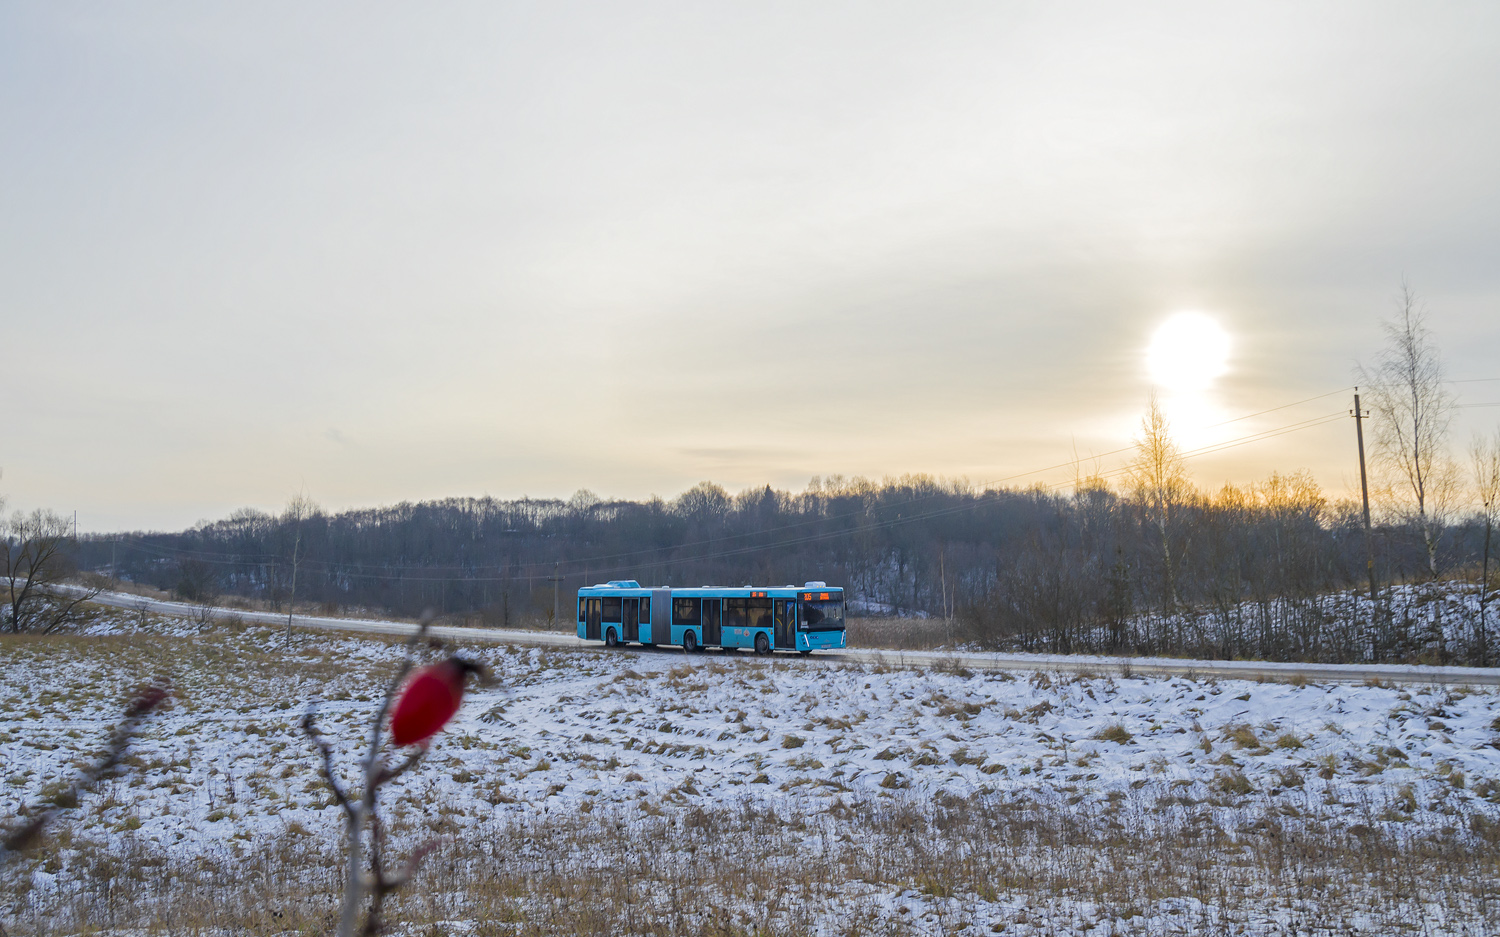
x: 1116, y: 733
x: 750, y: 868
x: 902, y: 634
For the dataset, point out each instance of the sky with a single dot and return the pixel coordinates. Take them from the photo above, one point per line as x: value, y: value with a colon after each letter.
x: 380, y: 252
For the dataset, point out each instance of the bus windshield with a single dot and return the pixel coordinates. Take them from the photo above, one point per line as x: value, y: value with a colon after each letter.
x: 825, y: 615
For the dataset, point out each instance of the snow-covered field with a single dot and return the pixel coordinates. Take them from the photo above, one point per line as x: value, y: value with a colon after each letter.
x: 657, y: 792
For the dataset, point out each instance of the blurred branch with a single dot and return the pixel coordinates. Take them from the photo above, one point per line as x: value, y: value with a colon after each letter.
x: 147, y: 700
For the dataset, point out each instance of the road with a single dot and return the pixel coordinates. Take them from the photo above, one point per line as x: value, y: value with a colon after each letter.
x: 1052, y: 663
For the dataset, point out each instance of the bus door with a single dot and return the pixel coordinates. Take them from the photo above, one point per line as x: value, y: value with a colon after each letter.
x: 595, y: 616
x: 784, y: 615
x: 758, y: 614
x: 713, y: 632
x: 630, y: 625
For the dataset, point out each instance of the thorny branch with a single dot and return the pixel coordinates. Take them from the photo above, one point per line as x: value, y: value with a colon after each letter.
x: 147, y: 700
x: 311, y: 729
x: 362, y: 810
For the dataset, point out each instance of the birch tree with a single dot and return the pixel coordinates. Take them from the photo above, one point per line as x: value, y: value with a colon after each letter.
x: 1412, y: 412
x: 298, y: 509
x: 1159, y: 483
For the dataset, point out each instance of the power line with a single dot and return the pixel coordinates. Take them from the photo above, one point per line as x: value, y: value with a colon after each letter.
x: 1460, y: 380
x: 1286, y: 406
x: 1235, y: 443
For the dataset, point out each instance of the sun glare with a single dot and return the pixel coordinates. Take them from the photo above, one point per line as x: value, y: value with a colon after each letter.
x: 1188, y: 352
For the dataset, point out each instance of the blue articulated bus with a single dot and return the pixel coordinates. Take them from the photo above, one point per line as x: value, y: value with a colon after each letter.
x: 762, y: 618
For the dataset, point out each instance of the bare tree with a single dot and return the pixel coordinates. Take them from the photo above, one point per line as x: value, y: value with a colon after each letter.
x: 34, y: 562
x: 1412, y: 415
x: 1159, y: 482
x: 298, y: 509
x: 1484, y: 456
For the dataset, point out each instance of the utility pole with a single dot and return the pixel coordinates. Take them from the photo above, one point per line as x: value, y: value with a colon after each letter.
x: 1484, y: 583
x: 554, y: 579
x: 291, y: 605
x: 1364, y: 490
x: 943, y: 584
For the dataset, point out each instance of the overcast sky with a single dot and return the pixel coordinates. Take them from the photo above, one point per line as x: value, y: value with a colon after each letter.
x: 384, y: 252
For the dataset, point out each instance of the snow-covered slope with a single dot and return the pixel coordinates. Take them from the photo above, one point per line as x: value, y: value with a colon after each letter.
x: 586, y: 735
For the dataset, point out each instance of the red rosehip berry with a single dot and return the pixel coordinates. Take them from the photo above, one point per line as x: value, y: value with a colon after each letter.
x: 428, y: 700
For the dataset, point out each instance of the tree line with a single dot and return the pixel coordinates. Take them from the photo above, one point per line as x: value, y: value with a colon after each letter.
x: 1090, y: 569
x: 1146, y: 563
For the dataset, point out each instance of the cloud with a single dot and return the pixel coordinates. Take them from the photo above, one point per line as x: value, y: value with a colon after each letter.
x: 537, y: 249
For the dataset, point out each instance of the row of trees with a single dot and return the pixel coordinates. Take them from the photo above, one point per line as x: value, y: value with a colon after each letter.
x: 1095, y: 568
x: 1151, y: 564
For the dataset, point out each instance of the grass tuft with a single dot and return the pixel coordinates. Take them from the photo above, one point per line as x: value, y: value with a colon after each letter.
x: 1116, y: 733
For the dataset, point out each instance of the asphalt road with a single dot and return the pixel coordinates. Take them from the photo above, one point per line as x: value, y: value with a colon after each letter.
x: 1053, y: 663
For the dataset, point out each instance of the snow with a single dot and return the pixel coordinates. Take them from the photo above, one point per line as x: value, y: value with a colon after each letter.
x: 575, y: 732
x: 1409, y: 621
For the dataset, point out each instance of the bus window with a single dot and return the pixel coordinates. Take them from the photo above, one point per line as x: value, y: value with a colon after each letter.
x: 687, y: 611
x: 823, y: 614
x: 734, y: 613
x: 583, y: 605
x: 646, y: 609
x: 612, y: 608
x: 758, y: 613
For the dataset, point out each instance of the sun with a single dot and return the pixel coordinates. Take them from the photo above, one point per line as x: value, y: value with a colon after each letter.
x: 1188, y: 352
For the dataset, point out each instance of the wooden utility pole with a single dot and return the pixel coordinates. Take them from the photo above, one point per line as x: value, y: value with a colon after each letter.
x: 1364, y: 490
x: 554, y: 579
x: 1484, y: 584
x: 292, y: 603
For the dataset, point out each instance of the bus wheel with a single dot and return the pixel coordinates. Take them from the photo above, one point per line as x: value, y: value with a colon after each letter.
x: 689, y: 642
x: 762, y: 646
x: 609, y: 638
x: 805, y: 652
